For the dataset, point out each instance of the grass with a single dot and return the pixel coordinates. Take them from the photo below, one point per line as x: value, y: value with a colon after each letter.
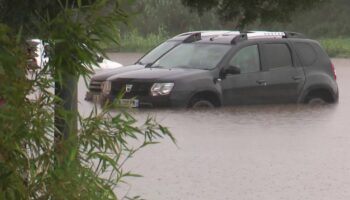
x: 134, y: 42
x: 337, y: 47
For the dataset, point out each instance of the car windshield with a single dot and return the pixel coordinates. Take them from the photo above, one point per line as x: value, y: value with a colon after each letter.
x: 157, y: 52
x: 194, y: 56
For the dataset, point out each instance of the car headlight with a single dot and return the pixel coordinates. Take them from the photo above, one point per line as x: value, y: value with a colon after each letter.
x: 106, y: 87
x: 161, y: 88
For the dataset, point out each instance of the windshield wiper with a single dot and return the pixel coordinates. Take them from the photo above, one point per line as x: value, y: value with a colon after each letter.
x: 150, y: 66
x: 206, y: 68
x: 182, y: 66
x: 190, y: 67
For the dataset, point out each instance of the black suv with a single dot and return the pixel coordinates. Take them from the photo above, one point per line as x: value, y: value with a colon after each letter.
x: 148, y: 59
x: 228, y: 69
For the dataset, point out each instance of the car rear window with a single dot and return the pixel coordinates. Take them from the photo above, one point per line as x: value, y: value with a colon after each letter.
x: 276, y: 55
x: 306, y: 53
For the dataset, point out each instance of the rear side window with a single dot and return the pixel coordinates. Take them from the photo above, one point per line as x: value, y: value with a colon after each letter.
x: 306, y: 53
x: 276, y: 55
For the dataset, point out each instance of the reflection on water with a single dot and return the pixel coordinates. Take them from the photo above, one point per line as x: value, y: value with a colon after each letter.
x: 255, y: 149
x: 223, y: 119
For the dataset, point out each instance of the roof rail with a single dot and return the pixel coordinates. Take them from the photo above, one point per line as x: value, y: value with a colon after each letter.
x: 193, y: 37
x: 238, y: 38
x: 265, y: 35
x: 290, y: 34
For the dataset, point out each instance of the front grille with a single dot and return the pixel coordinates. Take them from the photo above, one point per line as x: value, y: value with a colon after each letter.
x: 139, y: 89
x: 95, y: 86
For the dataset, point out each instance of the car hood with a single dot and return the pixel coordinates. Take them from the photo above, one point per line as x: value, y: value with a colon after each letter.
x: 159, y: 74
x: 102, y: 75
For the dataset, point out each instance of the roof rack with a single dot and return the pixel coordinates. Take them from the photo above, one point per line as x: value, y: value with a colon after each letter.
x: 265, y: 35
x: 193, y: 37
x: 290, y: 34
x: 196, y: 36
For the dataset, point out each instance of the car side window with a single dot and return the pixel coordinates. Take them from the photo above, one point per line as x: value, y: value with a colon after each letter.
x: 276, y: 55
x: 306, y: 53
x: 247, y: 59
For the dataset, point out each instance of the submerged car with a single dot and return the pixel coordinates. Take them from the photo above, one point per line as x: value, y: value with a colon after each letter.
x: 229, y: 69
x: 147, y: 60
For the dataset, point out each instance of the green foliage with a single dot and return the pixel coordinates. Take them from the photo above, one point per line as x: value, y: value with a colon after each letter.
x: 339, y: 47
x: 12, y: 151
x: 248, y: 11
x: 328, y: 20
x: 135, y: 42
x: 314, y: 23
x: 171, y: 16
x: 35, y: 162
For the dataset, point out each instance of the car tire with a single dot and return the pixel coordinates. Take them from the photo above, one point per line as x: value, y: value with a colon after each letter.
x: 316, y: 101
x: 201, y: 103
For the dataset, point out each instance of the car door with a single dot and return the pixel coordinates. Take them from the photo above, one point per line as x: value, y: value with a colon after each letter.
x: 247, y: 87
x: 284, y: 78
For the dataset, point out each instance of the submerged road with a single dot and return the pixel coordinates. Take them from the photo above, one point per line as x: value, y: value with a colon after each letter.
x: 268, y: 152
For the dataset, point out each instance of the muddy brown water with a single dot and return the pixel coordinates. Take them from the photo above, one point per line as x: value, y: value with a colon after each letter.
x: 247, y: 152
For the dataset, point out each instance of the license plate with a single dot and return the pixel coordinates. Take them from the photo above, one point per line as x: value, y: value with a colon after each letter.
x: 134, y: 103
x: 96, y: 98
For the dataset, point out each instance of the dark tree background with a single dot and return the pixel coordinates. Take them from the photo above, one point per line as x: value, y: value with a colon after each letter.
x: 244, y: 12
x: 317, y: 19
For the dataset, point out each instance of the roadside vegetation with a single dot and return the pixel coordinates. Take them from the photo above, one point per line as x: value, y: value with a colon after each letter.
x: 337, y: 47
x: 151, y: 25
x: 135, y: 42
x: 44, y: 154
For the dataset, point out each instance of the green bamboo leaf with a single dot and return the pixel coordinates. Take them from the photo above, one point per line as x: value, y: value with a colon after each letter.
x: 4, y: 176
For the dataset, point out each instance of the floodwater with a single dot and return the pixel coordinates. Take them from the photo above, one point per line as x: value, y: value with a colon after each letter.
x: 268, y: 152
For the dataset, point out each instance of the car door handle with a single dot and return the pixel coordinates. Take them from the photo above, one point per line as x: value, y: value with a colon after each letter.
x: 296, y: 78
x: 261, y: 82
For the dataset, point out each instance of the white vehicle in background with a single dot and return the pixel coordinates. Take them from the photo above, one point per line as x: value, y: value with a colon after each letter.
x: 40, y: 60
x: 104, y: 63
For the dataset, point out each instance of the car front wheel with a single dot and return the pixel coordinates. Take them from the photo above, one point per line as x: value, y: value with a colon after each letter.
x: 316, y: 101
x: 201, y: 103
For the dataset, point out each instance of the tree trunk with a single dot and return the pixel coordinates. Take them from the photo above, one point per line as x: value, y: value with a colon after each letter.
x: 66, y: 107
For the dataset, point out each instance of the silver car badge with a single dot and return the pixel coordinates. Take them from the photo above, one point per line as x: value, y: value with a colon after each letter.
x: 128, y: 87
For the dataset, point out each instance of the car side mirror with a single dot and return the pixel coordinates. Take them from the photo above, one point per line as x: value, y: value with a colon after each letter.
x: 232, y: 70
